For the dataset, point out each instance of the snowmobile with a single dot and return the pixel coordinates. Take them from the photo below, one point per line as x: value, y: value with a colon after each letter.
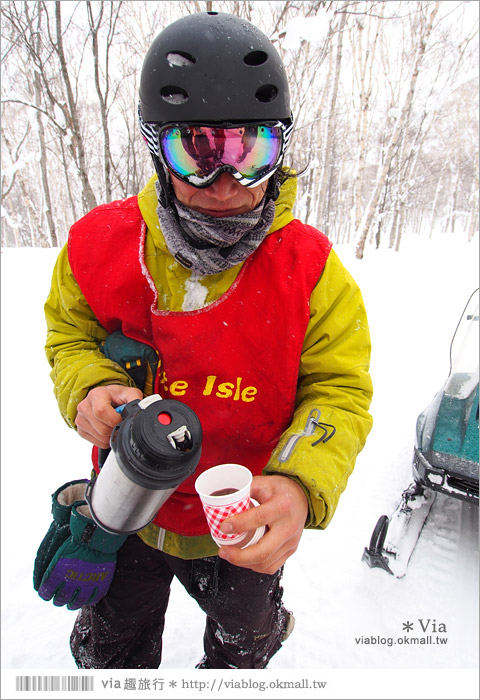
x: 446, y: 457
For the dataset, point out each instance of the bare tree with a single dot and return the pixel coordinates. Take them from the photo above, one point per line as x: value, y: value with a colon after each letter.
x: 23, y: 227
x: 363, y: 74
x: 36, y: 34
x: 401, y: 121
x: 71, y: 112
x: 328, y: 152
x: 113, y: 10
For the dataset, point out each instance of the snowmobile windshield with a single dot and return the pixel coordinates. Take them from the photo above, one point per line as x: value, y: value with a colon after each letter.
x: 464, y: 374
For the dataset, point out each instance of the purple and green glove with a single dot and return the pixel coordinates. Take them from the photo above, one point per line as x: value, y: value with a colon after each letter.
x: 59, y: 530
x: 76, y: 560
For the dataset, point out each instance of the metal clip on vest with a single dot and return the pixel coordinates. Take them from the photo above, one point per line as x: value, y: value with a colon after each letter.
x: 154, y: 449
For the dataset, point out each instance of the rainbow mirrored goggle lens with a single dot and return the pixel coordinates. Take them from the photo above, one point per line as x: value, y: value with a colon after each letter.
x: 197, y: 154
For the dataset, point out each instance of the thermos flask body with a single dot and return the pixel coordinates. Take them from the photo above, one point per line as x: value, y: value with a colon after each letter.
x: 124, y: 506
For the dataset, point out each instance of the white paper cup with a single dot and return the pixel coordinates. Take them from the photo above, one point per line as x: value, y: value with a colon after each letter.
x: 219, y: 506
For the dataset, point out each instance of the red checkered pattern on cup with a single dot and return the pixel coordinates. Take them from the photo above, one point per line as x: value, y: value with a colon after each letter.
x: 217, y: 514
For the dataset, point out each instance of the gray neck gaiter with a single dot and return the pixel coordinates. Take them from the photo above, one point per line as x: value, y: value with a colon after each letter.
x: 208, y: 244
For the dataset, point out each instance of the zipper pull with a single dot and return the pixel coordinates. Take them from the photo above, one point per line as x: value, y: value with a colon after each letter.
x: 326, y: 436
x: 311, y: 425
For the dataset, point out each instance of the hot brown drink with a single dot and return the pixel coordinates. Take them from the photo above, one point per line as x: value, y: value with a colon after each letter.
x: 223, y: 492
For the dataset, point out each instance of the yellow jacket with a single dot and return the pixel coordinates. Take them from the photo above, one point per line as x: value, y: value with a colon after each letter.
x: 333, y: 377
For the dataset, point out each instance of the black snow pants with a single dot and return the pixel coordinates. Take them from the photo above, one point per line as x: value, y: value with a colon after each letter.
x: 245, y: 622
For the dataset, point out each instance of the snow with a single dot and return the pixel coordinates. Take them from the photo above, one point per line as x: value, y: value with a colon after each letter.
x: 196, y: 294
x: 348, y: 617
x: 299, y: 30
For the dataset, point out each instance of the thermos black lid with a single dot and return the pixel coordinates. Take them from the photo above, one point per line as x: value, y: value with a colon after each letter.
x: 158, y: 446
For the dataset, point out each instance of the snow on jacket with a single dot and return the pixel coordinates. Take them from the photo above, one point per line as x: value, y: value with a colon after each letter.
x: 334, y: 386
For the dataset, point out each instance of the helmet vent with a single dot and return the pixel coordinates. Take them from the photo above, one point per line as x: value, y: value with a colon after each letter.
x: 266, y: 93
x: 255, y: 58
x: 180, y: 59
x: 174, y: 95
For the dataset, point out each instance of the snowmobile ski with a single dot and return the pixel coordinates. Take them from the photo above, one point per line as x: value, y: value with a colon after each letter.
x: 393, y: 539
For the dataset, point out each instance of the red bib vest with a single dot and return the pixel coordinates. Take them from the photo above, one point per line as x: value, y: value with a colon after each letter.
x: 234, y: 362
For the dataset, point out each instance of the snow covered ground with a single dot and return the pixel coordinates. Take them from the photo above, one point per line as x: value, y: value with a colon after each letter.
x: 351, y: 622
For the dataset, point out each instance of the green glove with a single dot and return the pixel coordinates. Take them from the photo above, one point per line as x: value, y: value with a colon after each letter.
x: 82, y: 569
x: 138, y: 359
x: 59, y: 530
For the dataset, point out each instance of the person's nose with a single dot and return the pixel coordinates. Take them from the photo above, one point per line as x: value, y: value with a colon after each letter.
x: 223, y: 188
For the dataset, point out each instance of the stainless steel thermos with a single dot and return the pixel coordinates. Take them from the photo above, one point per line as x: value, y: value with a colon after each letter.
x: 153, y: 450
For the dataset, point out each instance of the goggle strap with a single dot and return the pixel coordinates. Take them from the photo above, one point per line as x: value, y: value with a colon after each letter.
x: 150, y: 134
x: 164, y: 198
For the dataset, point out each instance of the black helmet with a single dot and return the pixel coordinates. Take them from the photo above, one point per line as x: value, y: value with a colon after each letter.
x: 213, y: 67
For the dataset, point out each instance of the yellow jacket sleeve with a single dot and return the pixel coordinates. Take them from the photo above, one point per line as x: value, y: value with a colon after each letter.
x: 335, y: 389
x: 73, y: 339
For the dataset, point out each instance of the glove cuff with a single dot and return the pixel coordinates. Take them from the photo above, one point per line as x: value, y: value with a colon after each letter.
x: 86, y: 531
x: 64, y: 497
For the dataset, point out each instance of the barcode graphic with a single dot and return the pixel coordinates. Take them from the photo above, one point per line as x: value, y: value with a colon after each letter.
x: 53, y: 683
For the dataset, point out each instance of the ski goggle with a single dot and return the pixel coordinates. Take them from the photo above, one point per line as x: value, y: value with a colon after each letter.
x: 197, y: 154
